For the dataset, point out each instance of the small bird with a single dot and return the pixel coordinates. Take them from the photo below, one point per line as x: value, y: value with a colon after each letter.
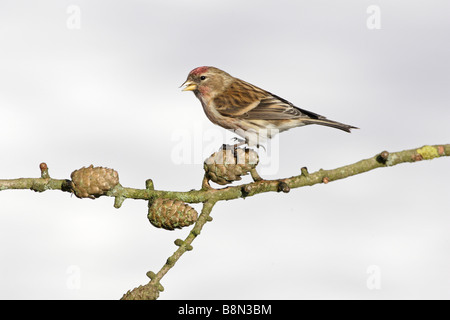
x: 249, y: 111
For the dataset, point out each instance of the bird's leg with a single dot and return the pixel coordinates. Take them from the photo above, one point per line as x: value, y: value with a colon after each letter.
x: 239, y: 141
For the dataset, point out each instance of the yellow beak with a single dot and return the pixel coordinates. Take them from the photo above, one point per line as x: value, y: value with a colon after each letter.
x: 189, y: 86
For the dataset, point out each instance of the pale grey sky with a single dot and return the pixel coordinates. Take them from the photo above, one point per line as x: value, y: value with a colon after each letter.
x: 107, y: 94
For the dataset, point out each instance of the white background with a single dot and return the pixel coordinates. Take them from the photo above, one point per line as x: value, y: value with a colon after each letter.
x: 107, y: 94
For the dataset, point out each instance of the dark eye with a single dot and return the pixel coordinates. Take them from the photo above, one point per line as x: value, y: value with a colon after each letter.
x: 202, y: 78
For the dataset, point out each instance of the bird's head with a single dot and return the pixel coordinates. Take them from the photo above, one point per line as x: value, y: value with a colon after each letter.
x: 206, y: 81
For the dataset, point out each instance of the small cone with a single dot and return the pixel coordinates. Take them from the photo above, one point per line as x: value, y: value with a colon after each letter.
x: 93, y: 182
x: 228, y: 165
x: 170, y: 214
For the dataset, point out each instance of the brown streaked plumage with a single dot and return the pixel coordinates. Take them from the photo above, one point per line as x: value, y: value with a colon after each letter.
x: 246, y: 109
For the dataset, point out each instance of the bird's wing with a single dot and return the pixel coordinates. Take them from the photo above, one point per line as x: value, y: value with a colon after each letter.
x: 243, y: 100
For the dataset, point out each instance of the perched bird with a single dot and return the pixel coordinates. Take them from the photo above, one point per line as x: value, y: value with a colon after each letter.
x: 249, y: 111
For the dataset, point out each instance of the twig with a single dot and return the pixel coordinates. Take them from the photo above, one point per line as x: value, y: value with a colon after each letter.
x: 151, y: 290
x: 383, y: 159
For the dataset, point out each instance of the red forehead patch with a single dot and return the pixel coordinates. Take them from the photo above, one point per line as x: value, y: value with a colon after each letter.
x: 199, y: 70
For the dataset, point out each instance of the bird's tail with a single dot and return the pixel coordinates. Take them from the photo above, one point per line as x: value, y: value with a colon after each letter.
x: 330, y: 123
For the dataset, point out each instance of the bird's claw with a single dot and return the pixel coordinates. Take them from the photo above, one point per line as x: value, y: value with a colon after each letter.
x: 239, y: 141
